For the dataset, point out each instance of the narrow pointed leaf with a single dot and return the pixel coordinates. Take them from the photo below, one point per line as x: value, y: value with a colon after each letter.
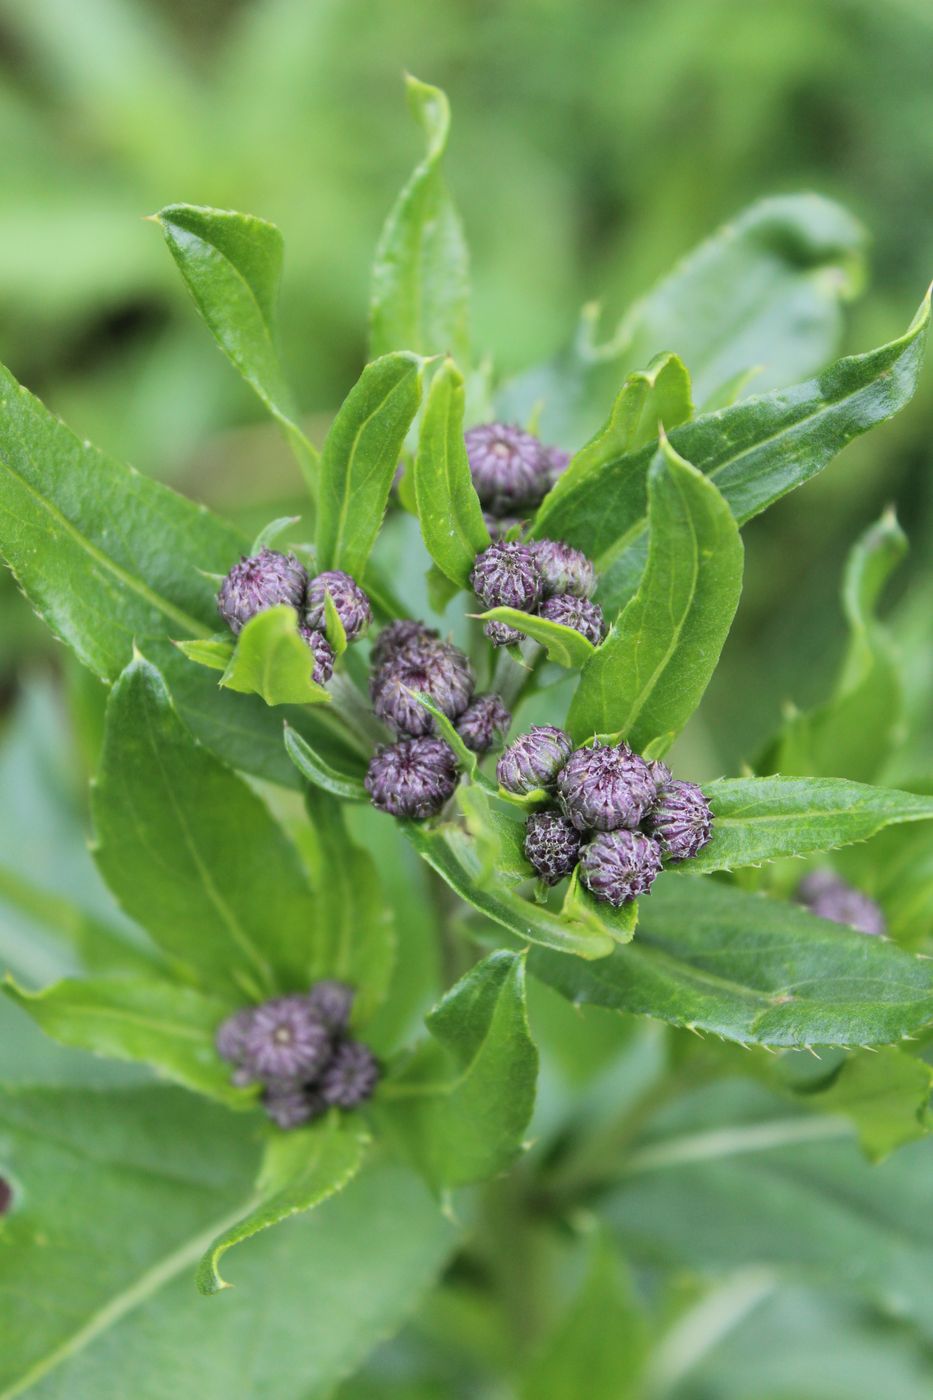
x: 315, y: 769
x: 215, y: 653
x: 564, y: 645
x: 273, y: 660
x: 446, y: 503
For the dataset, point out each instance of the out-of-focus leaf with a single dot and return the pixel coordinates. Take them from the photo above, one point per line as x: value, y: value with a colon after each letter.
x: 273, y: 660
x: 300, y: 1170
x: 649, y: 675
x: 565, y: 645
x: 886, y: 1093
x: 360, y: 457
x: 750, y: 969
x: 896, y: 869
x: 420, y: 297
x: 316, y: 770
x: 446, y: 503
x: 193, y: 854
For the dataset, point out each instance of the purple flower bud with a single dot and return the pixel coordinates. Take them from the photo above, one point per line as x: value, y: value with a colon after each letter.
x: 322, y: 654
x: 484, y: 724
x: 618, y: 866
x: 351, y: 1076
x: 230, y: 1038
x: 602, y: 788
x: 661, y: 775
x: 292, y: 1107
x: 502, y: 635
x: 439, y: 675
x: 258, y: 583
x: 534, y: 759
x: 285, y: 1040
x: 506, y: 575
x: 830, y: 897
x: 680, y: 821
x: 499, y: 526
x: 397, y: 639
x: 348, y: 598
x: 413, y: 778
x: 552, y: 845
x: 581, y: 614
x: 331, y: 1002
x: 563, y: 569
x: 509, y: 467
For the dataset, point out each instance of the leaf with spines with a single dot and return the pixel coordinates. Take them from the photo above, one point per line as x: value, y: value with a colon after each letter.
x: 232, y: 266
x: 420, y: 298
x: 445, y: 500
x: 272, y: 659
x: 650, y: 674
x: 565, y: 645
x: 300, y: 1170
x: 360, y: 458
x: 315, y: 769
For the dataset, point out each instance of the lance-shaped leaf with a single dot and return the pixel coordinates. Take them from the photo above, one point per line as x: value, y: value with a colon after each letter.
x: 316, y: 769
x: 853, y: 733
x: 360, y: 457
x: 764, y: 292
x: 565, y: 645
x: 462, y: 1104
x: 759, y: 819
x: 751, y: 969
x: 755, y: 452
x: 147, y: 1019
x: 300, y: 1170
x: 193, y: 854
x: 648, y: 677
x: 420, y: 296
x: 273, y: 660
x: 446, y: 503
x: 232, y: 266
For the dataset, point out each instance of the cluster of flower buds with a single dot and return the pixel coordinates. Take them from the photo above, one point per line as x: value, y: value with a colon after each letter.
x: 827, y: 895
x: 269, y: 578
x: 544, y: 577
x: 615, y: 815
x: 297, y: 1047
x: 512, y: 472
x: 415, y: 776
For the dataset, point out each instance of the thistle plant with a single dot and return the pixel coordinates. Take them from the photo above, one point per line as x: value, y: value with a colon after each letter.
x: 321, y: 806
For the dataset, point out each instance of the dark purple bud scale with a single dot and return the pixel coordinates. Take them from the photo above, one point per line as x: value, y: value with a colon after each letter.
x: 602, y: 788
x: 413, y: 778
x: 484, y: 723
x: 827, y: 895
x: 350, y: 602
x: 293, y: 1106
x: 285, y: 1040
x: 680, y: 820
x: 322, y: 654
x: 350, y: 1077
x: 564, y: 570
x: 552, y: 845
x: 440, y: 676
x: 583, y: 615
x: 618, y: 866
x: 506, y: 575
x: 398, y: 638
x: 260, y: 582
x: 534, y: 759
x: 509, y: 467
x: 502, y: 635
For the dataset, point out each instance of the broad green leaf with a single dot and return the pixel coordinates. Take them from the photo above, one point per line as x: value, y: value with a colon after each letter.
x: 420, y: 296
x: 750, y: 969
x: 855, y: 731
x: 765, y: 291
x: 886, y: 1094
x: 300, y: 1170
x: 315, y: 769
x: 650, y: 674
x: 273, y: 660
x: 446, y: 503
x: 359, y: 460
x: 215, y: 653
x: 355, y: 940
x: 759, y: 819
x: 193, y: 854
x: 462, y: 1105
x: 159, y: 1023
x: 232, y: 265
x: 154, y: 1176
x: 564, y: 645
x: 461, y: 869
x: 755, y: 452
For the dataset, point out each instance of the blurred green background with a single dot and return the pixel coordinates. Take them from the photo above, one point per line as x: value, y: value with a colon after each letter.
x: 593, y: 144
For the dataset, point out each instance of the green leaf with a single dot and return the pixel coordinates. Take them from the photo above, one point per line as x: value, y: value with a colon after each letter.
x: 765, y: 291
x: 154, y: 1176
x: 755, y: 452
x: 215, y: 653
x: 445, y: 730
x: 620, y: 924
x: 750, y: 969
x: 193, y: 854
x: 420, y: 296
x: 273, y: 660
x: 232, y: 265
x: 300, y: 1169
x: 565, y: 645
x: 650, y: 674
x: 315, y: 769
x: 361, y: 454
x: 886, y: 1093
x: 462, y: 1105
x: 498, y: 834
x: 334, y: 629
x: 139, y: 1018
x: 446, y: 503
x: 460, y: 867
x: 853, y: 734
x: 759, y: 819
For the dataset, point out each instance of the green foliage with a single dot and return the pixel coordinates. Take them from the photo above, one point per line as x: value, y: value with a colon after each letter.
x: 447, y: 505
x: 273, y: 660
